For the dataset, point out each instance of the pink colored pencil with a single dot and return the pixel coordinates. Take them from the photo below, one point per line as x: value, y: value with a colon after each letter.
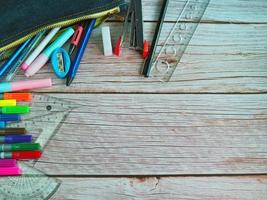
x: 8, y: 163
x: 10, y: 171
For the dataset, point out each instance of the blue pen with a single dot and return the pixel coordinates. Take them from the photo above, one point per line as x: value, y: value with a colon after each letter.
x: 10, y: 117
x: 78, y: 57
x: 7, y: 64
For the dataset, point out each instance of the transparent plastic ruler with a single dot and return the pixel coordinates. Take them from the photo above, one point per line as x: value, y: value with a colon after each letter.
x: 32, y: 185
x: 47, y: 114
x: 172, y: 46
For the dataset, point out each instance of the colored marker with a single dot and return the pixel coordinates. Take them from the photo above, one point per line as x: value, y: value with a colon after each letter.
x: 10, y: 102
x: 12, y: 131
x: 25, y: 85
x: 10, y: 171
x: 10, y: 117
x: 24, y: 55
x: 76, y: 39
x: 78, y: 57
x: 42, y: 59
x: 2, y: 125
x: 8, y: 163
x: 15, y: 110
x: 16, y: 96
x: 21, y: 155
x: 20, y: 147
x: 10, y: 139
x: 9, y: 62
x: 39, y: 48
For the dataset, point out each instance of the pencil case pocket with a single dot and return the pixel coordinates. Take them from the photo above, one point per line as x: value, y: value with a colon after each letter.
x: 21, y: 20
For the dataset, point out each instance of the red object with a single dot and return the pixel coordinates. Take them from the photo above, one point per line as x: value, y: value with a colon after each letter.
x: 118, y: 47
x: 18, y: 96
x: 77, y: 36
x: 146, y: 49
x: 26, y: 155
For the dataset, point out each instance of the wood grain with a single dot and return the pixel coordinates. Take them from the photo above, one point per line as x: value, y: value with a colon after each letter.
x: 221, y: 58
x: 160, y: 135
x: 182, y: 188
x: 237, y: 11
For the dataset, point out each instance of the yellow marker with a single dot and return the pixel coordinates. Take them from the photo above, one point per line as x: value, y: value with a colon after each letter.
x: 4, y: 103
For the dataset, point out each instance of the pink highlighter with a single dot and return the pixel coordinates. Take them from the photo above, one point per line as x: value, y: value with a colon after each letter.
x: 25, y: 85
x: 10, y: 171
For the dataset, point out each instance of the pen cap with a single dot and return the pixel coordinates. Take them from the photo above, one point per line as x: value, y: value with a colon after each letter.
x: 16, y: 109
x: 10, y: 102
x: 10, y: 139
x: 18, y: 96
x: 8, y: 163
x: 26, y: 147
x: 10, y: 171
x: 59, y: 42
x: 12, y: 131
x: 10, y: 117
x: 31, y: 84
x: 22, y: 155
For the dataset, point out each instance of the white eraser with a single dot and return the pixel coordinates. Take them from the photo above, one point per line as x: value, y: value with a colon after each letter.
x: 106, y: 37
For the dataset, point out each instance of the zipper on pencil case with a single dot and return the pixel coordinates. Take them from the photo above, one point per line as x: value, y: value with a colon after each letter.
x: 101, y: 16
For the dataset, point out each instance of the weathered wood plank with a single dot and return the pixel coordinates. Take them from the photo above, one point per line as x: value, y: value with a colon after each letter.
x: 223, y: 11
x: 160, y: 134
x: 220, y: 58
x: 182, y: 188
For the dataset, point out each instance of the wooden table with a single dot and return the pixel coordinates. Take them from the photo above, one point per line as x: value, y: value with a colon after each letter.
x: 201, y: 136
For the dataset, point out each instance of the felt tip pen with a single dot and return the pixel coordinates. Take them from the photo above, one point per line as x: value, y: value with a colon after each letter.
x: 15, y: 110
x: 25, y: 85
x: 80, y: 51
x: 10, y: 118
x: 2, y: 125
x: 16, y: 96
x: 20, y: 147
x: 13, y: 131
x: 21, y: 155
x: 42, y: 59
x: 10, y: 102
x: 10, y: 139
x: 39, y: 48
x: 10, y: 171
x: 8, y: 163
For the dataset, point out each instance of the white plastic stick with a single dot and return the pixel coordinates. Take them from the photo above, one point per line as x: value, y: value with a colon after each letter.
x: 106, y: 37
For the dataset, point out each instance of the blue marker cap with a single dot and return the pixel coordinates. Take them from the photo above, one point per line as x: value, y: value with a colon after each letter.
x: 10, y: 139
x: 2, y: 124
x: 10, y: 118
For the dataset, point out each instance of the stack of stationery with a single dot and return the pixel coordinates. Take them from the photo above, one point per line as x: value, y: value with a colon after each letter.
x: 35, y: 52
x: 15, y: 143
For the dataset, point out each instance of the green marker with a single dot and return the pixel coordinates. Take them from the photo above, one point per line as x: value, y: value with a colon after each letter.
x: 15, y: 110
x: 20, y: 147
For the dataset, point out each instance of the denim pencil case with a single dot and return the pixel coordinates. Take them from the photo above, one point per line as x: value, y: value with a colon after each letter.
x: 21, y: 20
